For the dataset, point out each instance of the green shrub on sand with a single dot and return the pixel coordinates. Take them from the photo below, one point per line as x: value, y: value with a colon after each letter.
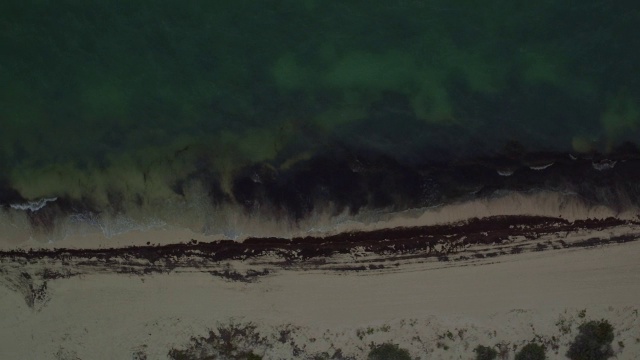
x: 593, y: 342
x: 485, y: 353
x: 531, y: 351
x: 388, y: 352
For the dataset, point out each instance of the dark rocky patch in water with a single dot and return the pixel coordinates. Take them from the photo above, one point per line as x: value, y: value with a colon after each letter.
x: 348, y: 178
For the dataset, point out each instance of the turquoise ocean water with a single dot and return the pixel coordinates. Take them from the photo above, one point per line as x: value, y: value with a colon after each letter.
x: 113, y: 105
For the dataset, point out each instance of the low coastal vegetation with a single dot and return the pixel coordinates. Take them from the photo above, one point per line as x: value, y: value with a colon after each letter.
x: 485, y: 353
x: 388, y: 352
x: 532, y: 351
x: 233, y: 341
x: 249, y: 342
x: 593, y: 341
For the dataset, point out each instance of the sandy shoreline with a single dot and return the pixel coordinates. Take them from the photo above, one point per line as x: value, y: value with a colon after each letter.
x: 18, y: 235
x: 107, y: 315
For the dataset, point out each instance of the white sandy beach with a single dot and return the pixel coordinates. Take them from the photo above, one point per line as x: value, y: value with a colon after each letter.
x: 517, y: 296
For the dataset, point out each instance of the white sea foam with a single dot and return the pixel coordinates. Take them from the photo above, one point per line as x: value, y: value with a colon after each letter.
x: 604, y: 165
x: 541, y: 167
x: 191, y: 220
x: 33, y: 205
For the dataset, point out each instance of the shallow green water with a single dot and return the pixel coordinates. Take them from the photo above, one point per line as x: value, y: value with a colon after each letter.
x: 116, y: 89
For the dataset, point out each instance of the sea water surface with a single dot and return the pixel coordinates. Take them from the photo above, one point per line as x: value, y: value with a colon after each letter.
x: 119, y: 116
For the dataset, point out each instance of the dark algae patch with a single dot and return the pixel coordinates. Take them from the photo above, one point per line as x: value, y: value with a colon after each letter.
x: 489, y: 231
x: 367, y: 251
x: 353, y: 182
